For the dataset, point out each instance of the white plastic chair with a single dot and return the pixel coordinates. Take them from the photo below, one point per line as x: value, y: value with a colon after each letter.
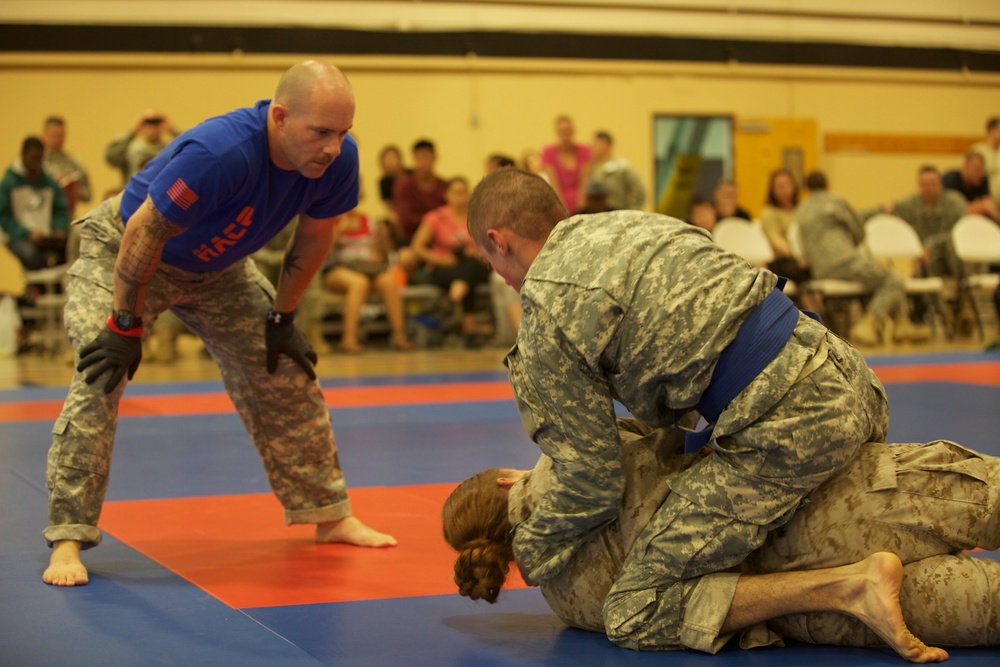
x: 748, y: 240
x: 976, y: 240
x: 745, y: 239
x: 46, y: 309
x: 891, y: 238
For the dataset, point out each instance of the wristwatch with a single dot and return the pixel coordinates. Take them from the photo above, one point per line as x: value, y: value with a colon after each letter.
x: 126, y: 319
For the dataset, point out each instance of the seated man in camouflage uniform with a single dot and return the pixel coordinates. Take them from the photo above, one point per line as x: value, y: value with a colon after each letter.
x: 832, y: 234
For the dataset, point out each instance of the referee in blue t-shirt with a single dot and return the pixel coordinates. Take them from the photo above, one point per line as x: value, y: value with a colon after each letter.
x: 180, y: 238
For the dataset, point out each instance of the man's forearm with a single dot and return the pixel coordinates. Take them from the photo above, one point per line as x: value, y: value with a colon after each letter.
x: 303, y: 258
x: 114, y: 154
x: 142, y: 247
x: 547, y: 540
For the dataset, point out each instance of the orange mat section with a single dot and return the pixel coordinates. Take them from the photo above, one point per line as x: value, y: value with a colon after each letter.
x: 238, y: 549
x: 981, y: 373
x: 219, y: 402
x: 985, y: 373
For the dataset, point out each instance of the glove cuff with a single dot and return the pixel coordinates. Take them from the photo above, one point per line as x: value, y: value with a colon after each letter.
x: 280, y: 319
x: 134, y: 332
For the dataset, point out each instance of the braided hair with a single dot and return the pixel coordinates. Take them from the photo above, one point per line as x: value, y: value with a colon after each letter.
x: 476, y: 525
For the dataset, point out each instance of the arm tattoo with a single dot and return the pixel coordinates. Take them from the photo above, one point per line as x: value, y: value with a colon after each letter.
x: 138, y: 263
x: 160, y: 228
x: 291, y: 262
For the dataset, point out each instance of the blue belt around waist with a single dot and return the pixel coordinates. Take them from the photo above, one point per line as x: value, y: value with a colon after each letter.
x: 761, y: 337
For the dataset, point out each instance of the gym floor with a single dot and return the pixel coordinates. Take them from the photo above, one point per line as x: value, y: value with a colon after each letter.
x: 197, y: 568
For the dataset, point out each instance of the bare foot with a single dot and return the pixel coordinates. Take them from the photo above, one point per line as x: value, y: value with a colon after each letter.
x: 351, y: 348
x: 65, y: 567
x: 402, y: 344
x: 876, y: 604
x: 352, y: 531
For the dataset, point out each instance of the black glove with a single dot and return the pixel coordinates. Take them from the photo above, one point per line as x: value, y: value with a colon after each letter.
x: 112, y: 352
x: 281, y: 337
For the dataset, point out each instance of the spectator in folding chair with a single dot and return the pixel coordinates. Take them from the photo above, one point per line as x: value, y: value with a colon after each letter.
x: 70, y: 173
x: 932, y: 212
x: 701, y: 213
x: 34, y: 213
x: 973, y: 183
x: 390, y: 160
x: 776, y: 218
x: 726, y: 200
x: 443, y: 243
x: 989, y: 148
x: 832, y: 235
x: 358, y: 263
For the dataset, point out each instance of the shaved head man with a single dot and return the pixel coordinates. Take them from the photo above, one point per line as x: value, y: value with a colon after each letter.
x: 312, y: 110
x: 179, y: 238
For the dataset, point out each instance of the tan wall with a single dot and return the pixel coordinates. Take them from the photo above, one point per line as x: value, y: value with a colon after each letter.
x: 472, y: 107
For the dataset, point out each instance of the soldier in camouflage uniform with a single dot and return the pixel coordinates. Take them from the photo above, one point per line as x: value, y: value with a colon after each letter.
x: 831, y: 233
x: 933, y: 212
x: 924, y: 503
x: 193, y: 217
x: 68, y: 171
x: 639, y: 308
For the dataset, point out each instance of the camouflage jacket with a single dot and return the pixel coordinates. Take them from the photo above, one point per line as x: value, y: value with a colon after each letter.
x: 934, y: 220
x: 830, y: 231
x: 635, y: 308
x: 576, y: 594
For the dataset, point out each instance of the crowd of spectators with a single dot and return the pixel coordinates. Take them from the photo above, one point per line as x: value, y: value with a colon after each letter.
x: 831, y: 234
x: 418, y: 234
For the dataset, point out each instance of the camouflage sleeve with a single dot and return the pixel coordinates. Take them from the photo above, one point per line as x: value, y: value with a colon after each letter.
x: 60, y: 208
x: 114, y: 153
x: 85, y: 194
x: 637, y: 190
x: 568, y: 411
x: 956, y: 204
x: 905, y: 209
x: 852, y: 222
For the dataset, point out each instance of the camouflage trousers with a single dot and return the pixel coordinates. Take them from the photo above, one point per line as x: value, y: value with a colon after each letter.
x: 285, y: 413
x: 888, y: 291
x: 722, y: 507
x: 925, y: 503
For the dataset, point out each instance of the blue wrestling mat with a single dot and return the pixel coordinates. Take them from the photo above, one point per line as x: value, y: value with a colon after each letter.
x: 145, y: 610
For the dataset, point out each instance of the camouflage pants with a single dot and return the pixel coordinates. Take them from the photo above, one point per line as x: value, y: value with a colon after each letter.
x: 888, y: 292
x: 925, y: 503
x: 284, y: 413
x: 941, y: 257
x: 722, y: 508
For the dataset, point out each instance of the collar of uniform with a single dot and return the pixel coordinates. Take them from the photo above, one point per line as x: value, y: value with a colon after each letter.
x: 527, y: 492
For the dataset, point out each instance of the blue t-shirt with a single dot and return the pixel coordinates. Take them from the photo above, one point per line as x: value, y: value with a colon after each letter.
x: 218, y: 181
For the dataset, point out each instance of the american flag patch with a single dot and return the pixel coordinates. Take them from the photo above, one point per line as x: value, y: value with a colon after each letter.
x: 181, y: 194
